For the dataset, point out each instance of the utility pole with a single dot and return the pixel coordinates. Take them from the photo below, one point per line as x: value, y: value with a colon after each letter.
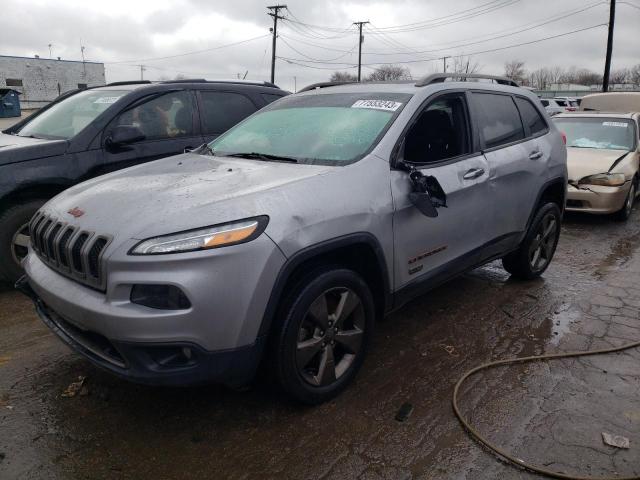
x: 444, y: 63
x: 142, y: 69
x: 607, y: 62
x: 360, y: 40
x: 50, y: 45
x: 275, y: 9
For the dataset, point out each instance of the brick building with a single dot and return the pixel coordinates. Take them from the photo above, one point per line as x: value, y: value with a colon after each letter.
x: 41, y: 80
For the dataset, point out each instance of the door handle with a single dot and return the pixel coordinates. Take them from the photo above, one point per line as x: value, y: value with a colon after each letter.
x: 535, y: 155
x: 473, y: 173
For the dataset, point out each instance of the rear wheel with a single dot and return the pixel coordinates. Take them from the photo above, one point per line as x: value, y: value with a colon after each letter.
x: 14, y: 238
x: 321, y: 342
x: 536, y: 250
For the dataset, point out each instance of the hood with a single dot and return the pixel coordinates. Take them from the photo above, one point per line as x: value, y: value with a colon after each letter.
x: 582, y: 162
x: 179, y: 193
x: 14, y: 148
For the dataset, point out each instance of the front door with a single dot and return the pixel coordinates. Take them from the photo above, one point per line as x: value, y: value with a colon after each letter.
x: 168, y: 124
x: 439, y: 144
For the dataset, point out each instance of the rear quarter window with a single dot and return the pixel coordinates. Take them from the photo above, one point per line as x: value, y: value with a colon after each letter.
x: 531, y: 117
x: 270, y: 97
x: 223, y: 110
x: 498, y: 119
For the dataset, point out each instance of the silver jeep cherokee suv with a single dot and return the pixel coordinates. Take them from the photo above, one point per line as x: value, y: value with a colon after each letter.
x: 291, y: 233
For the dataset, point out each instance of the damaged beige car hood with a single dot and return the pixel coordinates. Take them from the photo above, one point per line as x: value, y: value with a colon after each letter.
x: 582, y: 162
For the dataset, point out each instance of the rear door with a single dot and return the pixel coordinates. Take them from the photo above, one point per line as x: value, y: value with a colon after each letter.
x: 439, y: 143
x: 221, y: 110
x: 517, y: 154
x: 167, y: 120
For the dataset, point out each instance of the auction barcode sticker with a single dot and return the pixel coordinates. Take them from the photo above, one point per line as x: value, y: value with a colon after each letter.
x: 388, y: 105
x: 106, y: 100
x: 614, y: 124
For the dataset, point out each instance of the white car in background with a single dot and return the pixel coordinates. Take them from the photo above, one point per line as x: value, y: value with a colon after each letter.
x: 570, y: 104
x: 551, y: 106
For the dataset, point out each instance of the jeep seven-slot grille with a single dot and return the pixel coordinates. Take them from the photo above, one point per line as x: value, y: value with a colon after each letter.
x: 71, y: 251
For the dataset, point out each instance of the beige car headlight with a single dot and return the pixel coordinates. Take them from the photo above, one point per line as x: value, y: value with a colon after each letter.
x: 205, y: 238
x: 604, y: 179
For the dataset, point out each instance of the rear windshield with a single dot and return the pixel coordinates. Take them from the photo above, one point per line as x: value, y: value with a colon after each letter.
x: 326, y: 129
x: 68, y: 117
x: 602, y: 132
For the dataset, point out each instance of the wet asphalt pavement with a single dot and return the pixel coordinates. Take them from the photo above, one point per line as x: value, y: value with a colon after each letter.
x: 550, y: 413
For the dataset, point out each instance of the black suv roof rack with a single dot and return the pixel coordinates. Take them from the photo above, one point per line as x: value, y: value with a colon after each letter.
x: 127, y: 82
x: 441, y: 77
x: 315, y: 86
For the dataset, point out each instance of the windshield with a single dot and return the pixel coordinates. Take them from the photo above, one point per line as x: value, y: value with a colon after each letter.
x: 67, y: 118
x: 607, y: 133
x: 327, y: 129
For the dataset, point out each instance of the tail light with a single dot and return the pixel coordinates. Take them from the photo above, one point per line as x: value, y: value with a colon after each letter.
x: 564, y: 137
x: 571, y: 109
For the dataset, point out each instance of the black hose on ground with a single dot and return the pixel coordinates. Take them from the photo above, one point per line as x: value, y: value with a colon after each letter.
x: 503, y: 453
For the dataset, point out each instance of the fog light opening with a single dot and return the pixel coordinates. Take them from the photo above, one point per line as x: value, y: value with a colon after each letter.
x: 161, y: 297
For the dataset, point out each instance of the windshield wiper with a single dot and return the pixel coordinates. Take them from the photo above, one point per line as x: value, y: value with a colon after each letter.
x: 262, y: 156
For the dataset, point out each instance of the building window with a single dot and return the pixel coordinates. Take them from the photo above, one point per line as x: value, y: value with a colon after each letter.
x: 14, y: 82
x: 82, y: 86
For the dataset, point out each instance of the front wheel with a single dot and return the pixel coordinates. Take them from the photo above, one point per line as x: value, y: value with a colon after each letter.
x: 534, y: 254
x: 323, y: 336
x: 14, y: 238
x: 625, y: 212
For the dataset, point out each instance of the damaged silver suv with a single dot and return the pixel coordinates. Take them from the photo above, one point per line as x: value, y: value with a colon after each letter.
x: 289, y: 235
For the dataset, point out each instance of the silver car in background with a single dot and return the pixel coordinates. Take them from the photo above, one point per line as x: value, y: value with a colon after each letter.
x: 288, y: 236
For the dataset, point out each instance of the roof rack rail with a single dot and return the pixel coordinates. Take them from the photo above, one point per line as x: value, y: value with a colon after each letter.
x: 127, y: 82
x: 315, y: 86
x: 185, y: 80
x: 441, y: 77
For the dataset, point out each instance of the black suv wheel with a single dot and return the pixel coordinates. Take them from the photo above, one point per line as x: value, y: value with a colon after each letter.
x: 14, y: 238
x: 327, y: 322
x: 534, y: 255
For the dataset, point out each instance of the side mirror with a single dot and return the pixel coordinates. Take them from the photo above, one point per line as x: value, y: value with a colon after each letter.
x: 124, y: 134
x: 422, y: 201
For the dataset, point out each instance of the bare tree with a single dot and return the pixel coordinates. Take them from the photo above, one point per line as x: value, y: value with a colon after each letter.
x: 634, y: 74
x: 465, y: 64
x: 389, y: 72
x: 555, y: 74
x: 514, y: 69
x: 622, y: 75
x: 540, y: 78
x: 343, y: 77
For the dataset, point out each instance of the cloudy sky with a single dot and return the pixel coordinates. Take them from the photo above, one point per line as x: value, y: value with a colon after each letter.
x: 317, y: 37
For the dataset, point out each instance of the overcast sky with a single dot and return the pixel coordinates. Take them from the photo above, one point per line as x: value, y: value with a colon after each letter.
x: 134, y: 32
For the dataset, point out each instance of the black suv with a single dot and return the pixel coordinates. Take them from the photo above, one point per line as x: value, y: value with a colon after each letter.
x: 91, y: 132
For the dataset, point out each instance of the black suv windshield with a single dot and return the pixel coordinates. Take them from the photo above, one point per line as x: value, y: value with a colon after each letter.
x: 68, y: 117
x: 328, y: 129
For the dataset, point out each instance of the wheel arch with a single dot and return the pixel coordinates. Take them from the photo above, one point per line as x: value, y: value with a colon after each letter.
x: 555, y: 191
x: 43, y: 191
x: 361, y: 252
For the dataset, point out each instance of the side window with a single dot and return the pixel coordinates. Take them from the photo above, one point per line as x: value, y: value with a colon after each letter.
x: 222, y: 110
x: 499, y: 119
x: 530, y: 116
x: 440, y: 132
x: 168, y: 116
x: 270, y: 97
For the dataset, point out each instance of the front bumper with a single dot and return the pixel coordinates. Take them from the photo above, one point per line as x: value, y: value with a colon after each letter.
x: 216, y: 339
x: 152, y: 363
x: 598, y: 199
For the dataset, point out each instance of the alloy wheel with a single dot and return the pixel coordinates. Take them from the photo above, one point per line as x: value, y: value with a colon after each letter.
x: 330, y: 336
x: 20, y: 243
x: 543, y: 243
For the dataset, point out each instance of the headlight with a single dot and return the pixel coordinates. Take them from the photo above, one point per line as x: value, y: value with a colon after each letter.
x: 203, y: 238
x: 605, y: 179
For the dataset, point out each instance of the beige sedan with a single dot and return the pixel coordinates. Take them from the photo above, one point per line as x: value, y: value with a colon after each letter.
x: 603, y: 155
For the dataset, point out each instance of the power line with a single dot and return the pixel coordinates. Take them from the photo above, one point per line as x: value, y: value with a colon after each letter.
x: 195, y: 52
x: 312, y: 58
x: 470, y: 53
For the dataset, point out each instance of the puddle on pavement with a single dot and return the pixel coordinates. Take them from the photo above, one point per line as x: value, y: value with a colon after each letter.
x: 561, y: 323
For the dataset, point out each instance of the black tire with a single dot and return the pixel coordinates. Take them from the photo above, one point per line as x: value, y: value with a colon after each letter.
x: 624, y: 213
x: 299, y: 325
x: 534, y: 254
x: 12, y: 221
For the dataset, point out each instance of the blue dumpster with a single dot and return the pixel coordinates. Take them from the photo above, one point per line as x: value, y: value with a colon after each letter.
x: 9, y: 103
